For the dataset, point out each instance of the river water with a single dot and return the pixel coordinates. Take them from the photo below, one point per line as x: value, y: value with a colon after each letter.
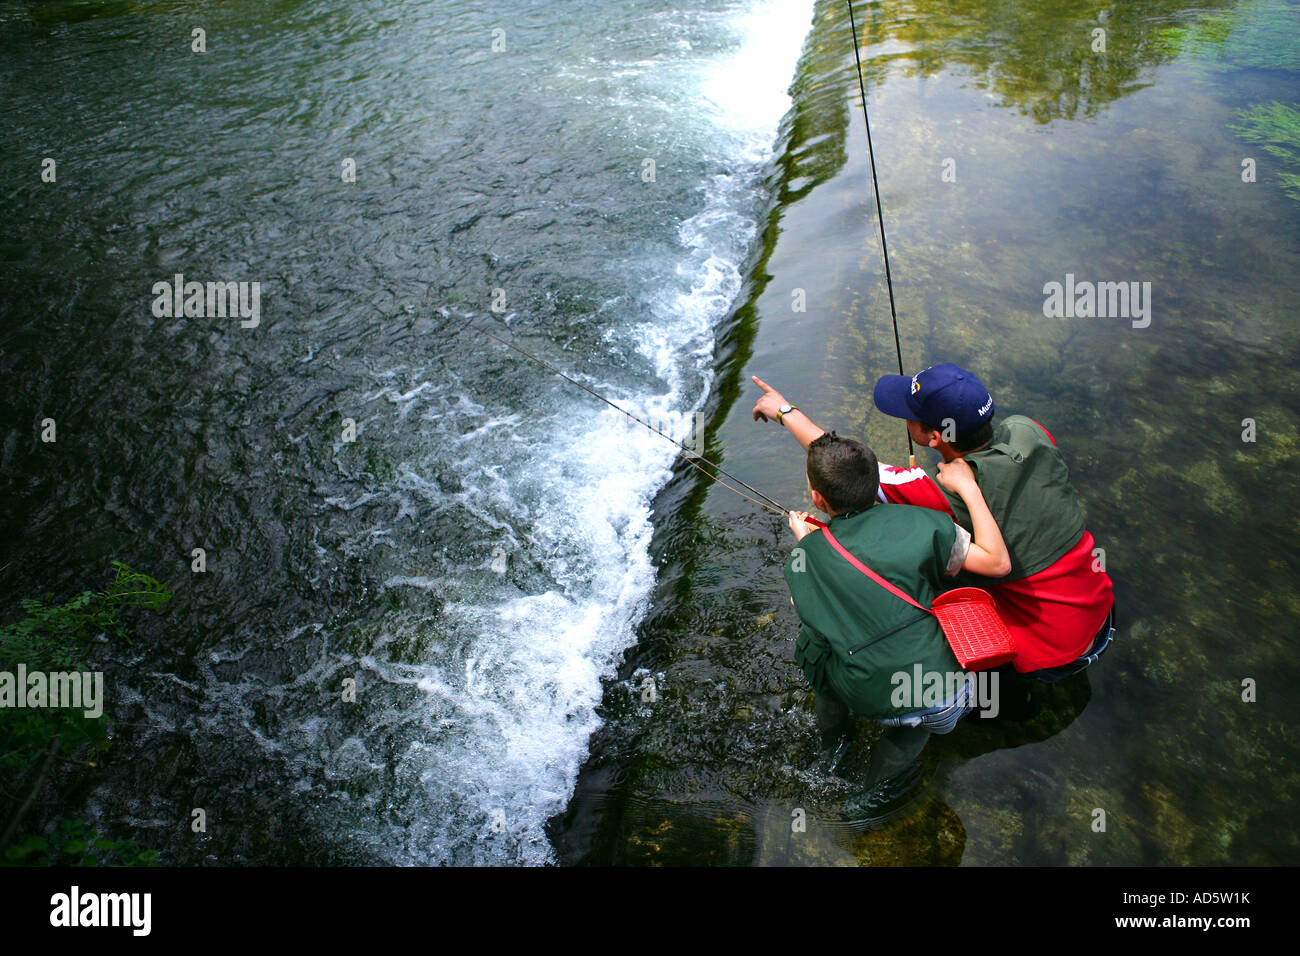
x: 583, y: 178
x: 637, y: 193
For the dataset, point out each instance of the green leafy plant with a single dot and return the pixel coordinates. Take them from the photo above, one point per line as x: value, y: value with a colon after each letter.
x: 71, y: 843
x: 35, y: 743
x: 55, y: 636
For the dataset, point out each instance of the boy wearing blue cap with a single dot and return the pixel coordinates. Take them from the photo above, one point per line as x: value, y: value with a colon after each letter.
x: 1057, y: 602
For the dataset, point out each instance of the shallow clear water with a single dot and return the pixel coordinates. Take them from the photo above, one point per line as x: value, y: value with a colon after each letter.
x: 1112, y: 168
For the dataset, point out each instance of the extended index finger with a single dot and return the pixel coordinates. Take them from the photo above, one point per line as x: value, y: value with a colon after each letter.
x: 762, y: 384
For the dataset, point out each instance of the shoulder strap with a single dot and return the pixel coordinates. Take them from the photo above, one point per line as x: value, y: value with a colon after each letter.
x: 897, y: 592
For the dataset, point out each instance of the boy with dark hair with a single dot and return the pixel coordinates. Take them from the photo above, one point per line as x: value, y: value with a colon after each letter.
x: 857, y: 638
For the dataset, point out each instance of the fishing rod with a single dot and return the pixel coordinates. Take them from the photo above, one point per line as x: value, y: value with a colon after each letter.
x: 880, y: 215
x: 693, y: 459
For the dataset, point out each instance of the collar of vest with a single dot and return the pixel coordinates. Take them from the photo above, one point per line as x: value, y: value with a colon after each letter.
x: 852, y: 514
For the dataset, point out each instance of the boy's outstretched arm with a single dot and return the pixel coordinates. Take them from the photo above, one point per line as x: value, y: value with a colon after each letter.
x: 988, y: 555
x: 803, y: 428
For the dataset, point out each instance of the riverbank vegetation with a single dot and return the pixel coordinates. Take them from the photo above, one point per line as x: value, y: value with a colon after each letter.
x: 44, y: 749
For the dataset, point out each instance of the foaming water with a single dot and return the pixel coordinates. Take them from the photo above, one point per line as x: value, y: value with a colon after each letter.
x: 534, y: 681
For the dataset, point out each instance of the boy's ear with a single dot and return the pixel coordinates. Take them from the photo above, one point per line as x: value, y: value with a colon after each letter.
x: 820, y: 503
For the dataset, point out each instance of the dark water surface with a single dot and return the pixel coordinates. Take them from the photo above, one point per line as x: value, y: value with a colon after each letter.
x: 477, y: 557
x: 1114, y: 167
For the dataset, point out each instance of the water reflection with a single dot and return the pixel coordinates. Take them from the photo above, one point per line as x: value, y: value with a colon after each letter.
x: 1063, y: 59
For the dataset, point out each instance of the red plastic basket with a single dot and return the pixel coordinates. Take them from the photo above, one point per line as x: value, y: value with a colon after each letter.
x: 976, y: 633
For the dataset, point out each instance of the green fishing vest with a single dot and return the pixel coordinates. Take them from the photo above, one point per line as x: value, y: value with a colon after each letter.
x: 1027, y: 487
x: 856, y: 636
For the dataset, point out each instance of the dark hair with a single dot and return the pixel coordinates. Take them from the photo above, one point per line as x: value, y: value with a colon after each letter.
x: 844, y: 471
x: 965, y: 443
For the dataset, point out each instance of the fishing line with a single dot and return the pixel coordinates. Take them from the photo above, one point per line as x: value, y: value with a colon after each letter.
x: 762, y: 504
x: 880, y: 215
x: 691, y: 457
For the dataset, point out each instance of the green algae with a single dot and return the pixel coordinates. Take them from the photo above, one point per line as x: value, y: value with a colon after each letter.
x: 1276, y: 127
x: 1261, y: 35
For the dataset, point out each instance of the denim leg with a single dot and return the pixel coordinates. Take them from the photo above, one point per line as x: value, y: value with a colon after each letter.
x: 941, y: 718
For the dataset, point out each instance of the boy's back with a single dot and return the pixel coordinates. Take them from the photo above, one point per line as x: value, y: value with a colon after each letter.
x: 856, y: 636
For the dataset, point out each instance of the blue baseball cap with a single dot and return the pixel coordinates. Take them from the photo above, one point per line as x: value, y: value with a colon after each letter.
x: 935, y: 395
